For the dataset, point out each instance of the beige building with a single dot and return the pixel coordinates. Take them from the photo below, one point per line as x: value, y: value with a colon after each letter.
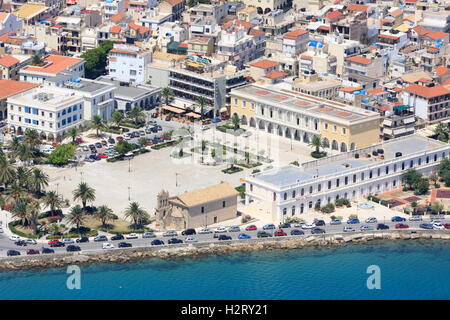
x: 198, y: 208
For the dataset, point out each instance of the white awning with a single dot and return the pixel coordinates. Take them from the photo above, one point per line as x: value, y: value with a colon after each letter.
x: 387, y: 122
x: 399, y: 131
x: 409, y: 120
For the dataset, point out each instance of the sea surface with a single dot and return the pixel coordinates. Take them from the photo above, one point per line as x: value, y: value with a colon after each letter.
x: 408, y: 270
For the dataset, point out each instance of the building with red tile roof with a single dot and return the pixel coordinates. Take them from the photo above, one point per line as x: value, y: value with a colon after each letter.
x: 9, y: 88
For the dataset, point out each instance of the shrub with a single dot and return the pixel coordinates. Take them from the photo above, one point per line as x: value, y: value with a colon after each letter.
x: 329, y: 208
x: 342, y: 202
x: 318, y: 155
x: 353, y: 216
x: 317, y: 206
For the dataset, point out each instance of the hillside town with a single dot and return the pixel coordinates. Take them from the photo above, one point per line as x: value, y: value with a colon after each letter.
x: 145, y: 118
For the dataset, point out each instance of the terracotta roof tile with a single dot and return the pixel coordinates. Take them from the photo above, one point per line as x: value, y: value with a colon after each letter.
x: 56, y: 64
x: 265, y: 64
x: 359, y: 59
x: 333, y: 15
x: 427, y: 92
x: 295, y: 34
x: 357, y: 7
x: 8, y: 61
x: 10, y: 87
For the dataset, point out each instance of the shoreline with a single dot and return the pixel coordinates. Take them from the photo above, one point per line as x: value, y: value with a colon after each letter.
x: 201, y: 249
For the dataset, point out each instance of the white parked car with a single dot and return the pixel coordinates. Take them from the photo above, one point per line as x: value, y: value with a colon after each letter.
x: 31, y: 241
x: 220, y: 230
x: 68, y: 240
x: 415, y: 218
x: 107, y: 245
x: 205, y: 231
x: 371, y: 220
x: 438, y: 226
x: 299, y: 224
x: 1, y: 230
x: 131, y: 236
x: 246, y: 134
x: 308, y: 226
x: 349, y: 229
x: 14, y: 238
x: 190, y: 240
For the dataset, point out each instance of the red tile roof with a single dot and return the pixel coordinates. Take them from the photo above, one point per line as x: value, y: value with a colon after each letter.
x: 295, y: 34
x: 357, y: 7
x: 441, y: 70
x: 140, y: 29
x: 427, y: 92
x: 11, y: 87
x: 256, y: 32
x: 56, y: 64
x: 350, y: 89
x: 115, y: 29
x: 117, y: 17
x: 275, y: 74
x: 8, y: 61
x: 359, y: 59
x: 435, y: 35
x: 376, y: 91
x: 264, y: 64
x: 173, y: 2
x: 333, y: 15
x: 237, y: 22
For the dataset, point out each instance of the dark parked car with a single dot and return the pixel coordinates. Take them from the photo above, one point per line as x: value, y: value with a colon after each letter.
x: 82, y: 239
x: 47, y: 250
x: 98, y: 145
x: 21, y: 243
x: 157, y: 242
x: 317, y: 230
x: 10, y: 253
x: 32, y: 251
x: 382, y: 226
x: 263, y: 234
x: 174, y: 241
x: 319, y: 223
x: 224, y: 237
x: 57, y: 244
x: 297, y: 232
x: 188, y: 232
x: 285, y: 225
x: 117, y: 237
x: 125, y: 245
x: 73, y: 248
x: 111, y: 140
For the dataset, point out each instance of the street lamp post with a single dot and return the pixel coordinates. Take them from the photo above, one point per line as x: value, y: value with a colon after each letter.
x: 176, y: 179
x: 129, y: 197
x: 129, y: 165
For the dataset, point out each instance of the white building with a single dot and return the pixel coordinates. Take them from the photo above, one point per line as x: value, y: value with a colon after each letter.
x: 127, y: 63
x: 50, y: 112
x: 54, y: 66
x: 9, y: 23
x: 292, y: 191
x: 295, y: 42
x: 112, y: 7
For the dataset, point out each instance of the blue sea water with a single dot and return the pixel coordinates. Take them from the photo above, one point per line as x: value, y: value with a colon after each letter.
x: 409, y: 270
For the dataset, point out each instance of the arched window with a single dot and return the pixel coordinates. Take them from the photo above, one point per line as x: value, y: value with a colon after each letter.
x: 285, y: 196
x: 293, y: 210
x: 293, y: 194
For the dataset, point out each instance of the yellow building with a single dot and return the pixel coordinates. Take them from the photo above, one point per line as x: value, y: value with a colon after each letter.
x: 201, y: 45
x: 300, y: 117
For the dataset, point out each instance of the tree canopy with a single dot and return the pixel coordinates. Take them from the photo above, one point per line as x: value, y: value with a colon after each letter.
x: 95, y: 59
x: 62, y: 154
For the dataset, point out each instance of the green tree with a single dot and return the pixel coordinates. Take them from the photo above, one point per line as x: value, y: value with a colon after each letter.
x: 104, y: 213
x: 7, y: 172
x: 62, y: 154
x: 201, y: 102
x: 117, y: 118
x: 422, y: 187
x: 73, y: 133
x: 25, y: 151
x: 23, y: 176
x: 235, y: 121
x: 97, y: 123
x: 437, y: 207
x: 33, y: 210
x: 123, y: 147
x: 76, y: 216
x: 444, y: 171
x: 36, y: 60
x: 167, y: 94
x: 32, y: 137
x: 434, y: 178
x: 13, y: 145
x: 136, y: 114
x: 20, y: 210
x: 53, y: 201
x: 316, y: 142
x: 38, y: 180
x: 441, y: 131
x: 96, y: 59
x: 137, y: 214
x: 84, y: 193
x: 411, y: 178
x: 143, y: 142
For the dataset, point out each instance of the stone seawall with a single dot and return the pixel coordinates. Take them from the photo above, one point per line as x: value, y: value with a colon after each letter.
x: 200, y: 249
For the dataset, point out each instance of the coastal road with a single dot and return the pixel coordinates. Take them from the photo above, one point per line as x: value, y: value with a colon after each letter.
x: 6, y: 244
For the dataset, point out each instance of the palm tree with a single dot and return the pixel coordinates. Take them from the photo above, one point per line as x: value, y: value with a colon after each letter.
x: 167, y: 94
x: 235, y: 121
x: 33, y: 208
x: 7, y: 172
x: 202, y: 102
x: 25, y: 151
x: 136, y: 114
x: 36, y: 60
x: 16, y: 191
x: 38, y: 180
x: 97, y: 123
x: 53, y: 201
x: 117, y: 117
x: 73, y: 133
x: 84, y: 193
x: 23, y: 176
x: 13, y: 144
x: 76, y: 216
x: 136, y: 213
x: 104, y: 213
x: 316, y: 142
x: 441, y: 131
x: 20, y: 210
x: 32, y: 137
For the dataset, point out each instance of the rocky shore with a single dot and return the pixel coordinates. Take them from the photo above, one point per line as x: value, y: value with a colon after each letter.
x: 200, y: 249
